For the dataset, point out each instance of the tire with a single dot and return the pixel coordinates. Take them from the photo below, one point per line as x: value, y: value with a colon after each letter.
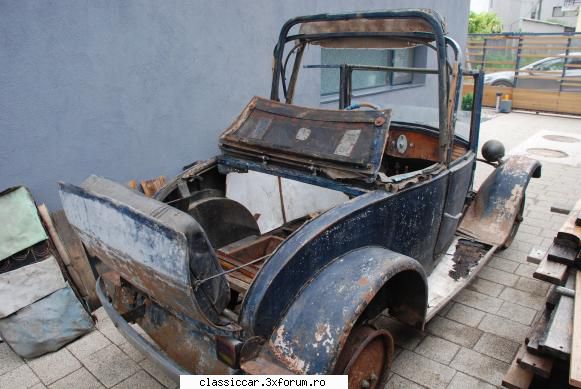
x: 504, y: 83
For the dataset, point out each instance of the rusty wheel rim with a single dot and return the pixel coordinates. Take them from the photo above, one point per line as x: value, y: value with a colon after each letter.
x: 366, y: 358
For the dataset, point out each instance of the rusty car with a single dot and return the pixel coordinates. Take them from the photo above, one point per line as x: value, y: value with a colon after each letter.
x: 293, y: 250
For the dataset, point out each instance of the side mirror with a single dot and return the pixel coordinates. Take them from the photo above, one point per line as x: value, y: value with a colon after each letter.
x: 493, y: 151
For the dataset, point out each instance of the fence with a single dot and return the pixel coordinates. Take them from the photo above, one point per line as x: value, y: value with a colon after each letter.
x: 540, y: 71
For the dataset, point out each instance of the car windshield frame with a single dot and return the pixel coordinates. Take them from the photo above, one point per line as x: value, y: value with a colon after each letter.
x: 436, y: 40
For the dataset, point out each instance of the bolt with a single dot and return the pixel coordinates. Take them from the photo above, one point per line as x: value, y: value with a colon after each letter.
x: 379, y: 121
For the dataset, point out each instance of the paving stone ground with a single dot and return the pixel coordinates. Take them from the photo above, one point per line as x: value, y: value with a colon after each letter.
x: 469, y: 344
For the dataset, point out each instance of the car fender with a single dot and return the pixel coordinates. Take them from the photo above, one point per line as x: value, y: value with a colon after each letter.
x: 351, y: 289
x: 492, y: 213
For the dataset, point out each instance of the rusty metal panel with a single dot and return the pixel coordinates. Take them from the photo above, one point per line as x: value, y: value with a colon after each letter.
x: 492, y: 214
x: 157, y: 248
x: 309, y: 337
x: 347, y: 141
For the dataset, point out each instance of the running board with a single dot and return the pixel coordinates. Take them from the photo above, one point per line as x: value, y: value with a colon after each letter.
x: 461, y: 263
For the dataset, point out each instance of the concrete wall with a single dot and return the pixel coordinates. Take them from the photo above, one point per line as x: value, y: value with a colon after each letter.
x: 135, y: 89
x: 529, y: 25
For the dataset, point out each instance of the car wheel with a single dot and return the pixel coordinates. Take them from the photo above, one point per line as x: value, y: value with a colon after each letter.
x: 366, y: 357
x: 504, y: 83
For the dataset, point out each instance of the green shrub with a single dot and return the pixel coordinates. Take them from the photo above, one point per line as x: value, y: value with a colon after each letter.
x: 467, y: 102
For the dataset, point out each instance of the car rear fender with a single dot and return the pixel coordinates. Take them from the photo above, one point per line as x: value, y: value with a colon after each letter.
x: 353, y: 288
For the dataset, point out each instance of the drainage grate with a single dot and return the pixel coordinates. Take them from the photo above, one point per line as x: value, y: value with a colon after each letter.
x: 561, y: 138
x: 549, y: 153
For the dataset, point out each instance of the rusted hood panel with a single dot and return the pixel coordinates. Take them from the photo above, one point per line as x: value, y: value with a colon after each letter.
x: 491, y: 215
x: 155, y: 247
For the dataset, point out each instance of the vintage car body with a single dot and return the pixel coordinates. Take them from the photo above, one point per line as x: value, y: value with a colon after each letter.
x: 364, y: 219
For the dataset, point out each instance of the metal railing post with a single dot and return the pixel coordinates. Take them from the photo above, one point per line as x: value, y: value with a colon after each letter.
x: 517, y: 62
x: 565, y: 62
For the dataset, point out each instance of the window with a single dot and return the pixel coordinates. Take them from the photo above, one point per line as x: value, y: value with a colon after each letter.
x: 557, y: 12
x: 362, y: 80
x: 552, y: 64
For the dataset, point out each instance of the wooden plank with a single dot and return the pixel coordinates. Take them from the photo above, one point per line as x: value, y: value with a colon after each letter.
x: 150, y: 187
x: 562, y: 252
x: 549, y: 271
x: 536, y: 255
x: 537, y: 331
x: 535, y: 99
x: 79, y: 262
x: 569, y: 230
x: 556, y: 341
x: 537, y: 364
x: 62, y: 258
x: 516, y: 377
x: 575, y: 366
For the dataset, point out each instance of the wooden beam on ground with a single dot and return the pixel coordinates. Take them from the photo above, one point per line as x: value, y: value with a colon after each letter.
x: 575, y: 366
x: 537, y: 364
x: 537, y: 331
x: 563, y: 252
x: 516, y: 377
x: 536, y: 256
x: 62, y: 258
x: 556, y: 341
x: 79, y: 262
x: 549, y: 271
x: 570, y: 231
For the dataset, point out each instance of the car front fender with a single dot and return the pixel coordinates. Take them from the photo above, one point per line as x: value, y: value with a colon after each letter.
x: 492, y: 214
x: 353, y: 288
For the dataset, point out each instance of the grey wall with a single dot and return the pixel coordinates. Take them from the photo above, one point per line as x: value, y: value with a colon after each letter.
x: 135, y: 89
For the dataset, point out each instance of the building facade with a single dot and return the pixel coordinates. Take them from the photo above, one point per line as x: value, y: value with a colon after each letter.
x: 513, y: 12
x: 136, y: 89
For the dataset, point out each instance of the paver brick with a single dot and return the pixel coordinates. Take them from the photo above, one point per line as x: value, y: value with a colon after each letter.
x: 110, y: 365
x: 88, y: 344
x: 463, y: 381
x: 532, y: 286
x: 54, y: 366
x: 486, y: 287
x: 20, y: 377
x: 422, y: 370
x: 132, y: 352
x: 112, y: 333
x: 437, y: 349
x: 498, y: 276
x: 523, y: 298
x: 454, y: 331
x: 397, y: 382
x: 465, y: 315
x: 158, y: 374
x: 504, y: 328
x: 517, y: 313
x: 80, y: 379
x: 503, y: 264
x: 140, y: 380
x: 497, y: 347
x: 481, y: 366
x: 9, y: 360
x: 478, y: 300
x: 526, y: 270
